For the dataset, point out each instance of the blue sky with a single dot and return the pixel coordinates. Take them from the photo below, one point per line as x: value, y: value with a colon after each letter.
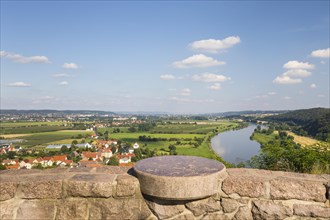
x: 182, y: 57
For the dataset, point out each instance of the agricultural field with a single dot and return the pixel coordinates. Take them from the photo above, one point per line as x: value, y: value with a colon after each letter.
x: 198, y: 128
x: 188, y: 138
x: 303, y: 141
x: 55, y: 137
x: 31, y: 127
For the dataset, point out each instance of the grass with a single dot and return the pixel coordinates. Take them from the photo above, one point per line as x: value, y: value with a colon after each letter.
x: 183, y: 129
x: 30, y: 124
x: 34, y: 129
x: 46, y: 138
x: 264, y: 138
x: 123, y: 136
x: 303, y: 141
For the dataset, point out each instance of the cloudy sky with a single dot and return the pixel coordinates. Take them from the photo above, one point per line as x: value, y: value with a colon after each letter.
x: 183, y: 57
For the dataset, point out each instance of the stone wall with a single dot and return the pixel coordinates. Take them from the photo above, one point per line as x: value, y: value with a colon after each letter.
x: 112, y: 193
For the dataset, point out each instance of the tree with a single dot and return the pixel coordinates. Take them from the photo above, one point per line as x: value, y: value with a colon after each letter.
x: 11, y: 154
x: 113, y: 161
x: 172, y: 147
x: 113, y: 149
x: 131, y: 129
x: 2, y: 167
x: 64, y: 149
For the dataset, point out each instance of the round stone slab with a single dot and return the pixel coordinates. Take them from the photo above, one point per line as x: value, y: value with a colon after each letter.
x: 179, y: 177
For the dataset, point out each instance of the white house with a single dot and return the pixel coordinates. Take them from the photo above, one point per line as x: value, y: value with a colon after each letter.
x: 136, y: 146
x: 107, y: 153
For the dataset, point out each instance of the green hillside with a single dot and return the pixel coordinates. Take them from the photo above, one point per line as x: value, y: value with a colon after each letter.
x: 314, y: 122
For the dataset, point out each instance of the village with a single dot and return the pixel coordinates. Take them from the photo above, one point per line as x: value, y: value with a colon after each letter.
x: 95, y: 154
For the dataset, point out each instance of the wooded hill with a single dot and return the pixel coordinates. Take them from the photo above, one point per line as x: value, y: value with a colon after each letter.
x: 314, y: 122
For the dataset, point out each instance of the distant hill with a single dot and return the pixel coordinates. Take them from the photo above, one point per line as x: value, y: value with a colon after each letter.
x: 315, y: 121
x: 46, y: 111
x: 247, y: 112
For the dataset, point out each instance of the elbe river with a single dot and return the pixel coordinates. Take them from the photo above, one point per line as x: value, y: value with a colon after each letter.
x: 235, y: 146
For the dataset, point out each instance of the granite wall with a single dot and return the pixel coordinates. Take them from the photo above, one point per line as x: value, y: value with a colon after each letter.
x: 112, y: 193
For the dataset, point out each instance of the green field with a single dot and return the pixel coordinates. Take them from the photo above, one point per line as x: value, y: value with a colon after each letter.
x: 30, y: 124
x: 192, y: 128
x: 188, y: 138
x: 32, y: 127
x: 264, y: 138
x: 46, y: 138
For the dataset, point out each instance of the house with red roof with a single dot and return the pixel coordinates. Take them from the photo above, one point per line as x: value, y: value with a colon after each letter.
x: 94, y: 155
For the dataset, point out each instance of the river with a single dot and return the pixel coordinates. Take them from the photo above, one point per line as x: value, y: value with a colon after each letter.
x: 235, y: 146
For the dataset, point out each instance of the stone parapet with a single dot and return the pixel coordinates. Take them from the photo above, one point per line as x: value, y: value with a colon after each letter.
x: 112, y: 193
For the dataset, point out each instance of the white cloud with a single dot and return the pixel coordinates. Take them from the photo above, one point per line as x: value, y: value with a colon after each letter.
x: 63, y: 83
x: 198, y: 60
x: 210, y: 77
x: 19, y: 84
x: 3, y: 53
x: 287, y: 98
x: 167, y: 77
x: 70, y: 66
x: 215, y: 86
x: 321, y: 95
x: 294, y: 64
x: 185, y: 92
x: 22, y: 59
x: 286, y: 80
x: 297, y: 73
x: 213, y: 45
x: 323, y: 53
x: 61, y: 75
x: 312, y: 86
x: 272, y: 93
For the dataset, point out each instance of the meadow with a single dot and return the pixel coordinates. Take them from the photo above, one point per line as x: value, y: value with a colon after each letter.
x: 31, y: 127
x: 189, y: 138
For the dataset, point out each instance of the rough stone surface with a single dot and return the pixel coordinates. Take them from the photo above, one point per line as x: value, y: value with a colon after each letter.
x: 217, y: 216
x: 7, y: 190
x: 72, y: 209
x: 7, y: 209
x: 118, y: 209
x: 112, y: 170
x: 165, y: 209
x: 110, y: 193
x: 179, y: 177
x: 311, y: 211
x: 90, y: 185
x: 41, y: 187
x: 185, y: 216
x: 201, y: 207
x: 229, y: 205
x: 244, y: 201
x: 126, y: 185
x: 263, y: 209
x: 36, y: 209
x: 302, y: 189
x: 249, y: 186
x: 243, y: 213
